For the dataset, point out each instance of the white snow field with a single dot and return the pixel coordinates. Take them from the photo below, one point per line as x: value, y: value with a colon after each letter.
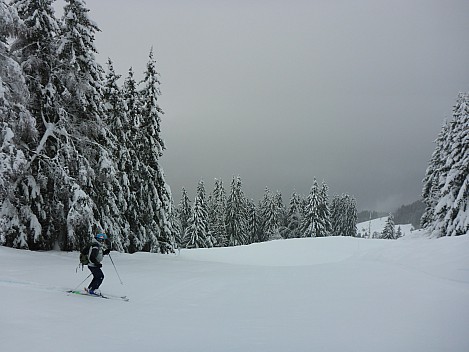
x: 316, y: 294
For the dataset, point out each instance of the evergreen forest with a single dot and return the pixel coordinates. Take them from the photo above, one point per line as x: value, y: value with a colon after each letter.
x: 81, y: 145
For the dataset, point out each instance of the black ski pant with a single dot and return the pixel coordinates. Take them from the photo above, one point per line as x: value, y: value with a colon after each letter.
x: 98, y: 278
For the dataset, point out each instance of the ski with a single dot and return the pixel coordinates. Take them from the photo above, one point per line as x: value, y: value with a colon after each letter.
x: 120, y: 298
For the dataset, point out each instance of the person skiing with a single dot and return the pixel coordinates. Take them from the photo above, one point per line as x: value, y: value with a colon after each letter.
x: 97, y: 251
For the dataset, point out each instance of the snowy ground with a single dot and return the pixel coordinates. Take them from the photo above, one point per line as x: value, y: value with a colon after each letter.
x: 376, y: 226
x: 329, y: 294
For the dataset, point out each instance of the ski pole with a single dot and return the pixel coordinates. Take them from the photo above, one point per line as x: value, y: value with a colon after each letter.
x: 112, y: 261
x: 81, y: 283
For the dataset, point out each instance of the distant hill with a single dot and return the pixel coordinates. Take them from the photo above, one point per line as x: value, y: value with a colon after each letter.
x: 410, y: 214
x: 405, y: 214
x: 367, y: 215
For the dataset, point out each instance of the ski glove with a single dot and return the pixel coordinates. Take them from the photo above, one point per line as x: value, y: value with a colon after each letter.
x: 107, y: 251
x: 99, y: 265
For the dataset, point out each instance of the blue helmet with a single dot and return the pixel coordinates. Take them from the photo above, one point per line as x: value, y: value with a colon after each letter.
x: 101, y: 237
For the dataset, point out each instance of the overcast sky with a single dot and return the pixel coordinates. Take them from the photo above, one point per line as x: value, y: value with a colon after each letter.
x: 280, y: 92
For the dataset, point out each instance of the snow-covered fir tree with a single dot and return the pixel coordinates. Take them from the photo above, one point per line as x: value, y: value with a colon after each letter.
x: 271, y: 215
x: 197, y: 233
x: 253, y: 227
x: 389, y: 231
x: 115, y: 198
x: 399, y: 233
x: 236, y: 214
x: 262, y: 215
x: 436, y: 168
x: 446, y: 183
x: 218, y: 226
x: 294, y: 217
x: 313, y: 224
x: 351, y: 221
x: 343, y: 216
x: 132, y: 165
x: 17, y: 131
x: 282, y: 213
x: 90, y: 161
x: 153, y: 192
x: 34, y: 217
x: 184, y: 213
x: 324, y: 210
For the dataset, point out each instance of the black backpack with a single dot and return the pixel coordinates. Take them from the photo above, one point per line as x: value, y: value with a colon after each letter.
x: 84, y: 258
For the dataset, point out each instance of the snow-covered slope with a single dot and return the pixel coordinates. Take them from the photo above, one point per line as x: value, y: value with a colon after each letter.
x: 376, y: 226
x: 327, y: 294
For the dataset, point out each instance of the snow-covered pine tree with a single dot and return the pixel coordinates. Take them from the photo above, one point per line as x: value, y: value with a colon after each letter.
x: 133, y: 166
x: 351, y: 220
x: 236, y: 214
x: 184, y: 213
x: 294, y: 217
x: 399, y: 233
x: 282, y: 213
x: 252, y: 225
x: 114, y: 201
x: 324, y: 211
x: 262, y: 215
x: 197, y: 234
x: 446, y: 188
x: 312, y: 225
x: 17, y: 131
x: 218, y: 229
x: 343, y: 216
x: 34, y: 216
x: 271, y: 216
x: 389, y: 231
x: 154, y: 193
x: 337, y: 213
x: 90, y: 160
x: 436, y: 168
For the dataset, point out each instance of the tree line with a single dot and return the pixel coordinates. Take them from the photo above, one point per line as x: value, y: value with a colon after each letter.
x: 230, y: 218
x: 79, y: 153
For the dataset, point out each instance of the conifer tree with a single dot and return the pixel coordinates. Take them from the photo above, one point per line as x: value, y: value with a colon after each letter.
x: 351, y: 223
x: 262, y: 214
x: 17, y: 131
x: 281, y: 212
x: 324, y: 210
x: 252, y: 226
x: 115, y: 197
x: 294, y: 217
x: 272, y: 216
x: 197, y: 234
x: 399, y: 232
x: 343, y: 216
x: 389, y: 231
x: 90, y: 158
x: 446, y: 183
x: 236, y: 214
x: 314, y: 224
x: 337, y: 212
x: 35, y: 216
x: 219, y: 214
x: 132, y: 166
x: 154, y: 193
x: 184, y: 215
x: 436, y: 168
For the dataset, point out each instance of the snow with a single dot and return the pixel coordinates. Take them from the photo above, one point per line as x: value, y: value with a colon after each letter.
x: 317, y: 294
x: 376, y: 226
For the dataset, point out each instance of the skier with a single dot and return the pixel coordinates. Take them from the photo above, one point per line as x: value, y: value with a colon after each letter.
x: 97, y: 251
